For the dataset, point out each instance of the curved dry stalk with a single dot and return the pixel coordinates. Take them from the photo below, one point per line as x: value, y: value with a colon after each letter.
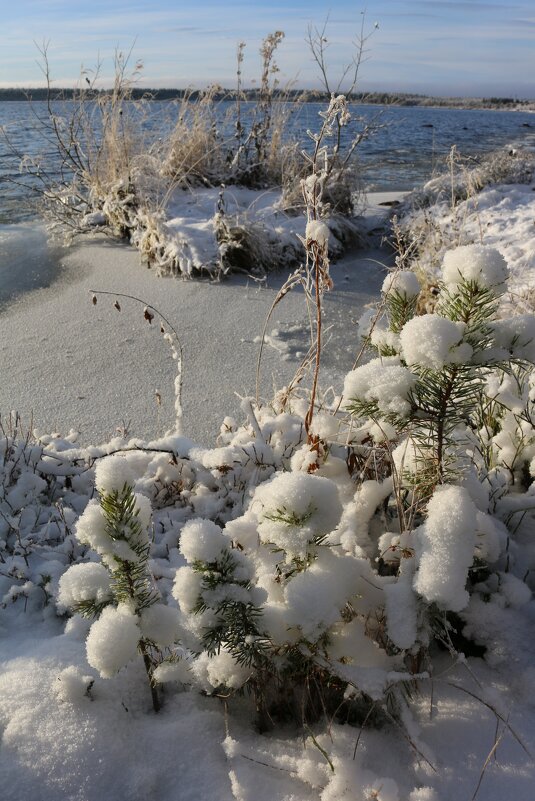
x: 294, y: 279
x: 176, y: 346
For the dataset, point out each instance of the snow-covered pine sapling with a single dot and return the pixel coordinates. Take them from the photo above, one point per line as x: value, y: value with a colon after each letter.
x: 119, y: 592
x: 428, y: 377
x: 436, y: 386
x: 276, y: 604
x: 214, y: 591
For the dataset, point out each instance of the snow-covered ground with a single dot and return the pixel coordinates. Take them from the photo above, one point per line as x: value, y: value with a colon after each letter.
x: 94, y: 368
x: 501, y: 216
x: 97, y: 369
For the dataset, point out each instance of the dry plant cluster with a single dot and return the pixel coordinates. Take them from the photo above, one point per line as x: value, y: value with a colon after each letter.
x: 120, y: 162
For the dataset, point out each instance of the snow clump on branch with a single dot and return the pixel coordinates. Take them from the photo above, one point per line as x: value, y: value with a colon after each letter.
x: 484, y: 266
x: 84, y: 582
x: 113, y: 640
x: 113, y: 473
x: 448, y: 541
x: 295, y: 510
x: 432, y: 342
x: 383, y: 381
x: 403, y: 282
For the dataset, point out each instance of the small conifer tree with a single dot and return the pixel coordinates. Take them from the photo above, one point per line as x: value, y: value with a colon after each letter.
x: 119, y: 592
x: 431, y: 390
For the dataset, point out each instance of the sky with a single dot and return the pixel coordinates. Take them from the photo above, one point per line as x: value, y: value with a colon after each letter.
x: 440, y: 47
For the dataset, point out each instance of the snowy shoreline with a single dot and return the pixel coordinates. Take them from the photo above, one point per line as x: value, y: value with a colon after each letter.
x: 69, y: 734
x: 97, y: 369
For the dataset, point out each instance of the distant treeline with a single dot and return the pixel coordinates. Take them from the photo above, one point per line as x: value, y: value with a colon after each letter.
x: 307, y: 95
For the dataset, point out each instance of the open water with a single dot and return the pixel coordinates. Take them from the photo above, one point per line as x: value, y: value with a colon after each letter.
x: 409, y: 147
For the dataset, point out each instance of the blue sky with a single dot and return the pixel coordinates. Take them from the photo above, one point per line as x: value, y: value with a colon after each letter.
x: 475, y: 47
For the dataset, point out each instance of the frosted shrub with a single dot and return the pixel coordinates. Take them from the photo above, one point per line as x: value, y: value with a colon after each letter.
x: 275, y: 603
x: 119, y: 591
x: 37, y: 508
x: 314, y: 569
x: 461, y: 439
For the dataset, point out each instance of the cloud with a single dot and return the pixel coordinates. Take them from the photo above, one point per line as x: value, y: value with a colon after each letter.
x: 194, y: 43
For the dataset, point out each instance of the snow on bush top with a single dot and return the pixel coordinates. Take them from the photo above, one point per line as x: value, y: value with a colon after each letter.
x: 448, y: 541
x: 113, y: 473
x: 294, y: 509
x: 482, y: 265
x: 202, y: 541
x: 432, y: 341
x: 88, y: 581
x: 403, y: 282
x: 113, y: 640
x: 384, y: 381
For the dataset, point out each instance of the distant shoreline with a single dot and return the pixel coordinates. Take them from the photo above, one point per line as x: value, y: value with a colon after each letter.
x: 308, y: 96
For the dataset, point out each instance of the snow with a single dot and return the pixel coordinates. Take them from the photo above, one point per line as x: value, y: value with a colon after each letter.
x: 73, y: 686
x: 219, y: 670
x: 113, y: 640
x: 447, y: 548
x: 384, y: 381
x: 203, y: 541
x: 516, y: 335
x: 102, y: 380
x: 159, y: 624
x: 187, y: 588
x: 403, y: 283
x: 294, y: 509
x: 317, y: 231
x: 502, y: 217
x: 432, y: 342
x: 484, y: 266
x: 91, y: 529
x: 87, y: 581
x: 113, y: 473
x: 401, y: 609
x: 77, y: 726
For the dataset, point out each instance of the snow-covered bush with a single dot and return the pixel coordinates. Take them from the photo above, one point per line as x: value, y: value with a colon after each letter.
x: 308, y: 572
x: 468, y: 205
x: 460, y: 445
x: 278, y: 604
x: 119, y: 591
x: 41, y: 495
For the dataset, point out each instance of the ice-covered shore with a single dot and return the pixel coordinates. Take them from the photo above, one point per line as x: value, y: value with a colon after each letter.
x: 72, y: 365
x: 60, y: 744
